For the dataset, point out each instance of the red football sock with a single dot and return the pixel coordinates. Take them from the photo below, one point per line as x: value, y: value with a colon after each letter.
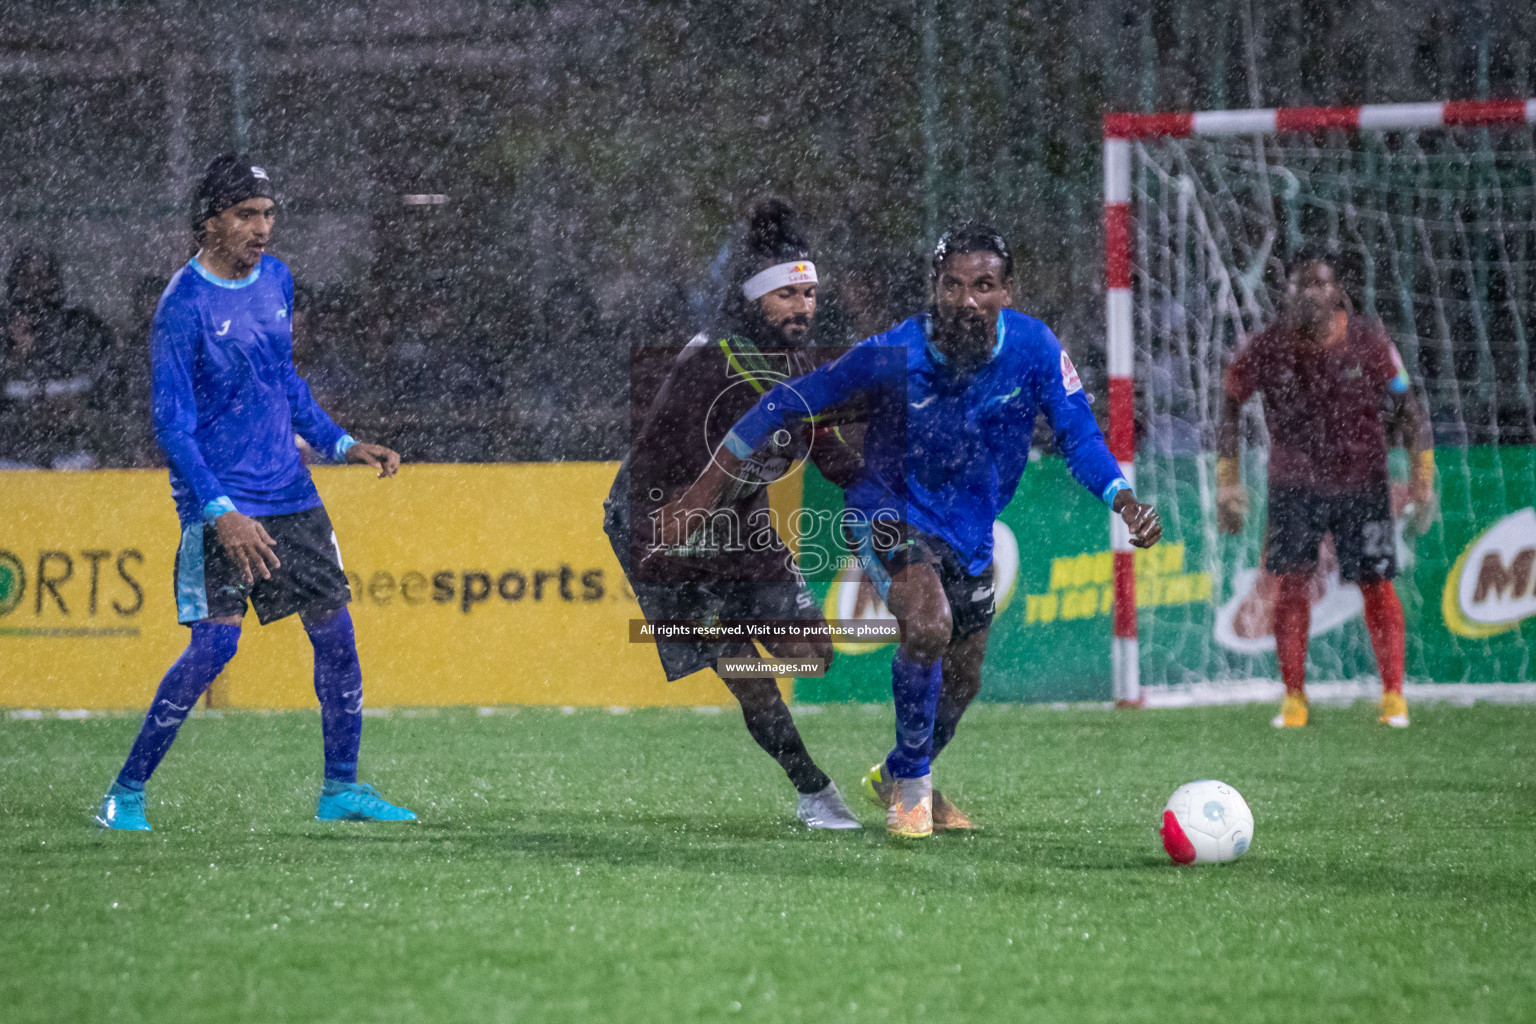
x: 1384, y: 619
x: 1293, y: 617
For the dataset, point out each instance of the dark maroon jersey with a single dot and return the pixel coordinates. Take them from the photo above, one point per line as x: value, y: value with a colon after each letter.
x: 709, y: 385
x: 1324, y: 403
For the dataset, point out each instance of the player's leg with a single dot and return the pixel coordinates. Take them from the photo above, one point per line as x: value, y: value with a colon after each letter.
x: 770, y: 723
x: 1293, y: 621
x: 1290, y: 552
x: 210, y: 600
x: 311, y: 584
x: 904, y: 569
x: 972, y: 603
x: 916, y: 598
x: 768, y: 718
x: 212, y: 644
x: 1362, y: 529
x: 339, y: 687
x: 962, y: 682
x: 1384, y: 620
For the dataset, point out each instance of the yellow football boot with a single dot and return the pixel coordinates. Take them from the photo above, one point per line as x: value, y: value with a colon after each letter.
x: 910, y: 815
x: 1394, y: 710
x: 878, y: 787
x: 1293, y: 712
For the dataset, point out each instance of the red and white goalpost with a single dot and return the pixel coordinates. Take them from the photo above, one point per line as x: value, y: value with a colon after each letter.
x: 1322, y: 168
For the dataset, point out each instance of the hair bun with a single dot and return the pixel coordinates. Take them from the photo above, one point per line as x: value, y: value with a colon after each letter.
x: 772, y: 231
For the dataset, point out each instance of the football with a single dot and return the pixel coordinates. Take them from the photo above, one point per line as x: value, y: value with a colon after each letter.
x: 1206, y: 822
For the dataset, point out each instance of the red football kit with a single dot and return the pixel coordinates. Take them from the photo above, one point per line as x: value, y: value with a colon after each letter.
x: 1325, y: 405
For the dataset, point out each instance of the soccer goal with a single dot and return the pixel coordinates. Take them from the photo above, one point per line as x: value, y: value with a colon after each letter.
x: 1431, y: 210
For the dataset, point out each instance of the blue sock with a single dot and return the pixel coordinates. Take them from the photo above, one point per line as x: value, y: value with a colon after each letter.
x: 339, y: 685
x: 915, y: 689
x: 211, y: 647
x: 951, y: 706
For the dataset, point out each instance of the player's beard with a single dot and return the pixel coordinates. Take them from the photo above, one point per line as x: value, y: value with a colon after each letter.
x: 963, y: 338
x: 780, y: 335
x: 1308, y: 319
x: 794, y: 330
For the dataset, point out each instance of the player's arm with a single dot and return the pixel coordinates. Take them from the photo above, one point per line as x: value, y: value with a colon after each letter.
x: 1080, y: 441
x: 1231, y: 495
x: 1409, y: 423
x: 317, y: 428
x: 856, y: 370
x: 173, y: 352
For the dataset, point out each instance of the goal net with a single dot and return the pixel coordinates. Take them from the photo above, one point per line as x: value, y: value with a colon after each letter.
x: 1430, y: 211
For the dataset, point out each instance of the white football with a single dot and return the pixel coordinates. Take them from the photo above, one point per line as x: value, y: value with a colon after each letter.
x: 1206, y: 822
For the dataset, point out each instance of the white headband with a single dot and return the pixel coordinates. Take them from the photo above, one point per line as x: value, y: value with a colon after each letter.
x: 776, y: 277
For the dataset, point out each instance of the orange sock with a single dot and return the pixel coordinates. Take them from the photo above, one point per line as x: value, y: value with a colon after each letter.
x: 1293, y: 617
x: 1384, y: 619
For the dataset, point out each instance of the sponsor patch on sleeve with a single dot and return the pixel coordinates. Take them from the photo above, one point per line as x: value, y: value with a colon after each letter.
x: 1069, y: 379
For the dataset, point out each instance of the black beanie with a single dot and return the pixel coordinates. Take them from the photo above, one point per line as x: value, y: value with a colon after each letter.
x: 229, y: 179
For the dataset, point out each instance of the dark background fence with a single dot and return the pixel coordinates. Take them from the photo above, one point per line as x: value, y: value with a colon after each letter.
x: 487, y: 204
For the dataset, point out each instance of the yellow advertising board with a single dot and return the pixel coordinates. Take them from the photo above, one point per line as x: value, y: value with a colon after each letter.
x: 472, y: 584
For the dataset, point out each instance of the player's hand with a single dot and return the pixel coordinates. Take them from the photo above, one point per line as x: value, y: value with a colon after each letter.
x: 1424, y: 505
x: 1231, y: 507
x: 250, y: 546
x: 1141, y: 519
x: 703, y: 496
x: 385, y: 460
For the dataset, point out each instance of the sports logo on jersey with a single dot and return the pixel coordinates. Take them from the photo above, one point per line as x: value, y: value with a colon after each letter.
x: 258, y: 172
x: 282, y: 311
x: 1000, y: 399
x: 1069, y: 378
x: 223, y: 329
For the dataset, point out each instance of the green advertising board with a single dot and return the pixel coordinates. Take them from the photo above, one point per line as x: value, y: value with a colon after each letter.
x: 1468, y: 588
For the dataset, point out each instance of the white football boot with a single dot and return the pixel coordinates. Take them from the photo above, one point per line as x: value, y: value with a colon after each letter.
x: 826, y: 809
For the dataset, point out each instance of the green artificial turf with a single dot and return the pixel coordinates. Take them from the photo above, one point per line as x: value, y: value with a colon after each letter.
x: 647, y: 867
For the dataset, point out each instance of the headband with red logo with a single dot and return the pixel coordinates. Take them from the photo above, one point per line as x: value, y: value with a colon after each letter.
x: 779, y: 276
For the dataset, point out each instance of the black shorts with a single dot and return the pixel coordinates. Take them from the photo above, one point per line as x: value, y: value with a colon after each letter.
x: 718, y: 602
x: 310, y: 580
x: 972, y: 601
x: 1361, y: 525
x: 771, y: 589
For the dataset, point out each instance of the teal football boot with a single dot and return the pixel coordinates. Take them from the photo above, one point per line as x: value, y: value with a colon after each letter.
x: 357, y: 801
x: 123, y: 809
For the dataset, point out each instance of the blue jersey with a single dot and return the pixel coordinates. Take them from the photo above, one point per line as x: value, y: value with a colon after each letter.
x: 944, y: 452
x: 227, y: 399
